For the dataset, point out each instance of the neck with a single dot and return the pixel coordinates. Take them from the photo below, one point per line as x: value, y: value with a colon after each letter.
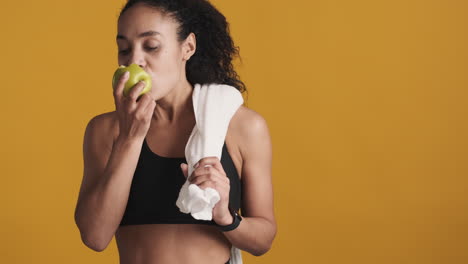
x: 175, y: 106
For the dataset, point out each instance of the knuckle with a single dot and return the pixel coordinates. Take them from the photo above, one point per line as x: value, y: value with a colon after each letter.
x: 144, y: 97
x: 139, y: 115
x: 133, y: 93
x: 147, y: 99
x: 132, y: 96
x: 148, y: 118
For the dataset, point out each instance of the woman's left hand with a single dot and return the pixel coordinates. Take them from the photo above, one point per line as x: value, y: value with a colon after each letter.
x: 210, y: 173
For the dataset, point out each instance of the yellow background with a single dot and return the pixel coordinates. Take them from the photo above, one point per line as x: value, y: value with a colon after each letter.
x: 366, y: 103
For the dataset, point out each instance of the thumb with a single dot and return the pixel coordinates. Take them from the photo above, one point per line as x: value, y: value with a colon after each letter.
x: 184, y: 168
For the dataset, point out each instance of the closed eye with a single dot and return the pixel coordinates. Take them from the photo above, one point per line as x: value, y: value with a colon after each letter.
x: 123, y: 52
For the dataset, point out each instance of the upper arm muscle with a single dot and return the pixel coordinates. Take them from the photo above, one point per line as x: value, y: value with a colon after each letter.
x: 256, y: 151
x: 97, y: 146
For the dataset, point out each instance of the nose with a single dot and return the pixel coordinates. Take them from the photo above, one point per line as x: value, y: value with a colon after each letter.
x: 137, y: 58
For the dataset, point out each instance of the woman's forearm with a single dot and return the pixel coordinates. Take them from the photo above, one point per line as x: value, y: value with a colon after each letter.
x: 254, y: 235
x: 100, y: 211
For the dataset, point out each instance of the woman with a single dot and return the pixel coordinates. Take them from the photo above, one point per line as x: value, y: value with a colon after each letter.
x: 134, y: 164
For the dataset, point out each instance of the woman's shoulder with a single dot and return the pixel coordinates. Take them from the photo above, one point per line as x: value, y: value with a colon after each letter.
x: 248, y: 125
x: 105, y: 124
x: 106, y: 119
x: 247, y: 120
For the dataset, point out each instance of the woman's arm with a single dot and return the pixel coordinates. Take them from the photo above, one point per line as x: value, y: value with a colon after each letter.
x: 108, y: 173
x: 257, y: 230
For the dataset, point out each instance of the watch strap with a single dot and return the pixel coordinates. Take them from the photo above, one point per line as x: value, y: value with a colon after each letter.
x: 235, y: 223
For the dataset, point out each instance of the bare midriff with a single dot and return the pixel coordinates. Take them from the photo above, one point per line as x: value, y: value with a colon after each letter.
x: 172, y: 244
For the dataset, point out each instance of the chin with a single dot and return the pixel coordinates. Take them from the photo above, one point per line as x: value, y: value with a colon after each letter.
x: 159, y: 96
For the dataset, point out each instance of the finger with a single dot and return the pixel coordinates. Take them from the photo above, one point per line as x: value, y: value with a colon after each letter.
x: 207, y: 184
x: 203, y: 169
x: 143, y: 102
x: 202, y: 182
x: 201, y: 177
x: 207, y: 177
x: 140, y: 95
x: 206, y: 160
x: 213, y: 161
x: 136, y: 90
x: 151, y: 105
x: 184, y: 168
x: 149, y: 110
x: 209, y: 173
x: 118, y: 90
x: 140, y: 108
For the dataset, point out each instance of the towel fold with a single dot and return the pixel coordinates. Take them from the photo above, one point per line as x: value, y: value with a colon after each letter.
x: 213, y: 105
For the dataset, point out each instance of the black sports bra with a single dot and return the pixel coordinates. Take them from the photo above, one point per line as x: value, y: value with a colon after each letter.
x: 155, y: 188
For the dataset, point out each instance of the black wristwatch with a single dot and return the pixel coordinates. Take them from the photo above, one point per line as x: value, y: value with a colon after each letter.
x: 235, y: 222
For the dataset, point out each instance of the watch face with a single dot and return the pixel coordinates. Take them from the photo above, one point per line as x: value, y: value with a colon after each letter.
x: 235, y: 223
x: 234, y: 213
x: 238, y: 216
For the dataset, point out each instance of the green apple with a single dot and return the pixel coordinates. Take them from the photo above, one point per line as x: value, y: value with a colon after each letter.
x: 136, y: 74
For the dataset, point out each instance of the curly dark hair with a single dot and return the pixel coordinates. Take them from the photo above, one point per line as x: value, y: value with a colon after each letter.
x: 212, y: 61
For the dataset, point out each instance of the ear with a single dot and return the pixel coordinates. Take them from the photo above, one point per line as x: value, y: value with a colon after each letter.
x: 189, y: 46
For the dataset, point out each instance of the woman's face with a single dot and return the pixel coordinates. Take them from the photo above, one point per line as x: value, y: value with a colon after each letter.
x: 148, y: 38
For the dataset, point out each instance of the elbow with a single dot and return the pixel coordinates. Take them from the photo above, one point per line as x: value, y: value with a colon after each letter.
x: 263, y: 249
x: 94, y: 243
x: 91, y: 239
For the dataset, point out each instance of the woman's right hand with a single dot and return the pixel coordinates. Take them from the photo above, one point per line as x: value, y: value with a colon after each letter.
x: 134, y: 113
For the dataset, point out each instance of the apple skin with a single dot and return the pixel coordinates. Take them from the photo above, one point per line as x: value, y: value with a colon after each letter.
x: 136, y: 74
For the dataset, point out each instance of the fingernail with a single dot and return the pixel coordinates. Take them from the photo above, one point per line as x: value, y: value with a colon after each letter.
x: 126, y: 74
x: 196, y: 165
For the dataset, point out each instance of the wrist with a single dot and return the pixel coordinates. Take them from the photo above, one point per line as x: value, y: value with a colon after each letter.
x: 122, y: 140
x: 226, y: 220
x: 231, y: 223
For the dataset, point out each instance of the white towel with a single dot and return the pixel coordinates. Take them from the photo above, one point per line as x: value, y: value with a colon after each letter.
x: 213, y: 105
